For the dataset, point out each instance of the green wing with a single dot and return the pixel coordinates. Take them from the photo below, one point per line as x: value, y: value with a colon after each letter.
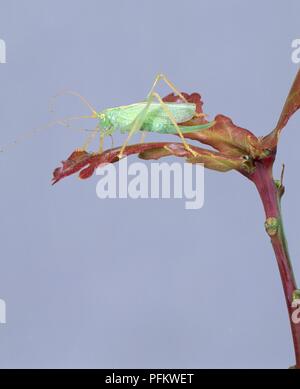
x: 171, y: 129
x: 156, y: 119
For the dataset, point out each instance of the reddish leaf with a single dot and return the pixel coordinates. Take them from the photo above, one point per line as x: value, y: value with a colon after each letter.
x: 191, y: 98
x: 224, y: 136
x: 86, y: 164
x: 211, y: 159
x: 73, y: 164
x: 292, y: 104
x: 228, y: 138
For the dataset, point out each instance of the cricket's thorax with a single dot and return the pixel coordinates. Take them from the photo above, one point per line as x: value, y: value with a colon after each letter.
x: 156, y: 119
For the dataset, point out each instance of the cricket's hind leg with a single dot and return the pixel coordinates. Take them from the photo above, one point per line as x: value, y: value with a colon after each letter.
x: 173, y: 120
x: 170, y: 84
x: 139, y: 121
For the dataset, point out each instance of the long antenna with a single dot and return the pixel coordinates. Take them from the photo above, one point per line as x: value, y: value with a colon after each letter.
x: 30, y: 133
x: 73, y: 93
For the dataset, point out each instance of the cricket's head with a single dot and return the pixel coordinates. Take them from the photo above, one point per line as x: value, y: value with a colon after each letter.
x: 103, y: 119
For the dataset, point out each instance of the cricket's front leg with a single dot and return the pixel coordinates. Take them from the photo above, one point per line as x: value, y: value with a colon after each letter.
x: 108, y: 132
x: 137, y: 124
x: 89, y: 139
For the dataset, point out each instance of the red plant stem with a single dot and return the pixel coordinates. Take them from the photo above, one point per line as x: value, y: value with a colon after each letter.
x: 270, y: 195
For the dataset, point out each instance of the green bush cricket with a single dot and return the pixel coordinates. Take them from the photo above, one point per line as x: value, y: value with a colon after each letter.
x: 145, y: 116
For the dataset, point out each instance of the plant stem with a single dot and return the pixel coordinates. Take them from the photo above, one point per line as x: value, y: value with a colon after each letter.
x: 270, y: 195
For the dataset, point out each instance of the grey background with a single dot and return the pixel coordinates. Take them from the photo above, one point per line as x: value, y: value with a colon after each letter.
x: 142, y: 283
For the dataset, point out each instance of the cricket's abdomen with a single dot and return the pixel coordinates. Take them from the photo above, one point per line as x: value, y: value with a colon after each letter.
x: 155, y: 120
